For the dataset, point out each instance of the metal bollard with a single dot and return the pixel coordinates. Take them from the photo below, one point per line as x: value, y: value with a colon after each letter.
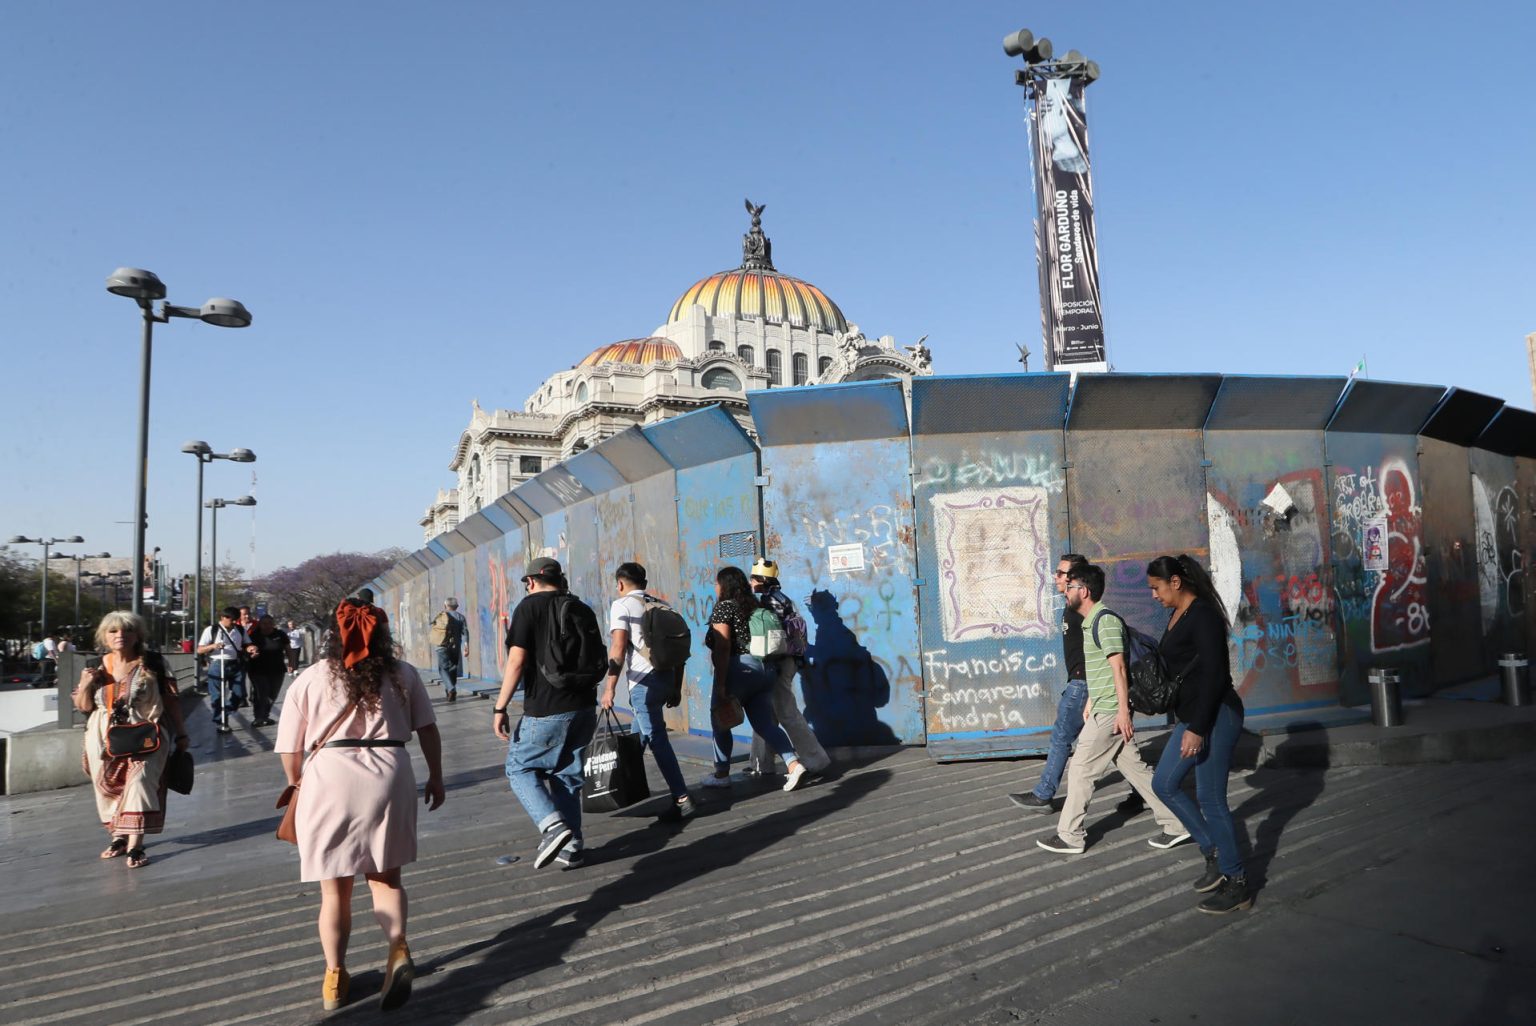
x: 1514, y: 676
x: 1386, y: 698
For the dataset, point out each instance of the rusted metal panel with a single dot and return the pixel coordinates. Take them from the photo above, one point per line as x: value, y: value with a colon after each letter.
x: 837, y: 516
x: 716, y: 505
x: 989, y: 490
x: 1267, y: 522
x: 1135, y: 483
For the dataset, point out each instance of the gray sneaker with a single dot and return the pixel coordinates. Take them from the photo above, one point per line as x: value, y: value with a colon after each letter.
x: 550, y: 844
x: 1031, y: 802
x: 1169, y: 840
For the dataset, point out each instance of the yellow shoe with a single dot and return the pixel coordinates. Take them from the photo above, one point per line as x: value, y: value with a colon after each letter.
x: 399, y: 971
x: 334, y: 990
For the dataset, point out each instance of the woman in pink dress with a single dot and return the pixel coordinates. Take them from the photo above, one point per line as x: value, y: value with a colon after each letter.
x: 356, y: 810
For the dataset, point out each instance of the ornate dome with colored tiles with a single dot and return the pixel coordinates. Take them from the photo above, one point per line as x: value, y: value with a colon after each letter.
x: 634, y: 350
x: 756, y: 290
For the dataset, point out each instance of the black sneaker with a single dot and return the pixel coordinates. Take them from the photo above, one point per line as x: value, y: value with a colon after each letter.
x: 569, y: 859
x: 678, y: 811
x: 1132, y: 804
x: 453, y: 696
x: 1031, y: 802
x: 221, y: 729
x: 1211, y: 878
x: 1230, y: 896
x: 550, y: 844
x: 1169, y: 840
x: 1061, y: 846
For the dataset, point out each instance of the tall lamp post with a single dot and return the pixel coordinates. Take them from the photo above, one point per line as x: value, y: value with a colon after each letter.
x: 144, y: 287
x: 213, y: 560
x: 205, y: 455
x: 78, y: 560
x: 115, y: 578
x: 46, y: 543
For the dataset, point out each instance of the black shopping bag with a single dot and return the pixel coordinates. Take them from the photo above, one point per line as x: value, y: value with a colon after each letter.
x: 614, y: 768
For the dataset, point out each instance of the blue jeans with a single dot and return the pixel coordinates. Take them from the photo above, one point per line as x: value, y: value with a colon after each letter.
x: 1069, y: 724
x: 224, y: 692
x: 448, y: 669
x: 1208, y: 819
x: 647, y: 706
x: 544, y: 767
x: 752, y: 684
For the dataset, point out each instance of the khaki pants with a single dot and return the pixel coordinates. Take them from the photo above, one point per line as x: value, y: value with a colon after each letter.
x: 807, y: 748
x: 1097, y: 747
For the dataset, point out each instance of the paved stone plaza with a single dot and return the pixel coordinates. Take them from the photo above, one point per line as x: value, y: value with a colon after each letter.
x: 899, y: 892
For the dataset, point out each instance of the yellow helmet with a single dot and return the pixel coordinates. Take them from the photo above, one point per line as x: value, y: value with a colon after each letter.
x: 766, y: 568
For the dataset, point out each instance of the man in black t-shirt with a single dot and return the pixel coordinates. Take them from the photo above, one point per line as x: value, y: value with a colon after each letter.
x: 549, y: 744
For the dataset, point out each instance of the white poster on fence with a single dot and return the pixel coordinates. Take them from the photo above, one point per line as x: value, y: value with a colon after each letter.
x: 1375, y: 543
x: 846, y: 559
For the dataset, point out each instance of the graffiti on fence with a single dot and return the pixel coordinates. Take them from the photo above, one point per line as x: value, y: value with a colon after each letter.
x: 1500, y: 563
x: 1397, y: 603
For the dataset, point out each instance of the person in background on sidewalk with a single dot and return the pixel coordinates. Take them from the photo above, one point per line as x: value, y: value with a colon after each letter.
x: 356, y: 808
x: 1210, y: 718
x: 224, y: 644
x: 295, y: 646
x: 1108, y: 734
x: 450, y: 637
x: 548, y: 749
x: 1069, y: 708
x: 266, y: 665
x: 740, y: 675
x: 649, y: 693
x: 766, y: 586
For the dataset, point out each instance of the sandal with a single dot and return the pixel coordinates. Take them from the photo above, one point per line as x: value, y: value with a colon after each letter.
x: 137, y: 859
x: 117, y: 849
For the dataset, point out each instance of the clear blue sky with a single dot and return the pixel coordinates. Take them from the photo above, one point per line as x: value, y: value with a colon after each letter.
x: 426, y: 204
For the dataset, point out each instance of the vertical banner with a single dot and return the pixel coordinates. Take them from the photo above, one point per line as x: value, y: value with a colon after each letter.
x: 1071, y: 323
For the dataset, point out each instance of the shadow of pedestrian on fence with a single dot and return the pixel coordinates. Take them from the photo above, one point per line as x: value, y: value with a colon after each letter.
x: 1286, y: 783
x: 530, y: 946
x: 842, y: 683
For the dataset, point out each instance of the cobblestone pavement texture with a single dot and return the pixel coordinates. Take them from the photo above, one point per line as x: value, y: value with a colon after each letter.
x: 897, y: 891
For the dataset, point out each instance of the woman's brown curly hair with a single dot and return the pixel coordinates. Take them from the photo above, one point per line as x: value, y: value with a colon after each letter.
x: 365, y: 679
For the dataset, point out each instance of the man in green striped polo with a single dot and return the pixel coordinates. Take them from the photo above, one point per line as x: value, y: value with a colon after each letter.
x: 1108, y: 733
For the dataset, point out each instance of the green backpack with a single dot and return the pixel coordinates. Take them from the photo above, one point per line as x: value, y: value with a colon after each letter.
x: 769, y: 639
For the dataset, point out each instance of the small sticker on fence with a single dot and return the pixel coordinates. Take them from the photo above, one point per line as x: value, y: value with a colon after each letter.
x: 1375, y: 543
x: 846, y: 559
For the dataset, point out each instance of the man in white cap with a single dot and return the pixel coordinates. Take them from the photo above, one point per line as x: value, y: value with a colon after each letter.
x: 450, y: 636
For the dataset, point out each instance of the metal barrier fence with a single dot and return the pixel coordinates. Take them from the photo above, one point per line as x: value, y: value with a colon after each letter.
x: 1348, y: 527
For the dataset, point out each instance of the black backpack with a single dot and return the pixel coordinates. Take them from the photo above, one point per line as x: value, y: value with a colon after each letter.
x: 668, y: 641
x: 1152, y: 689
x: 572, y: 653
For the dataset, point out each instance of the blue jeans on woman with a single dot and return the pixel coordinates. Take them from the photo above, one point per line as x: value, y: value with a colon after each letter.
x: 1069, y: 724
x: 545, y: 767
x: 648, y: 705
x: 751, y: 683
x: 1206, y: 816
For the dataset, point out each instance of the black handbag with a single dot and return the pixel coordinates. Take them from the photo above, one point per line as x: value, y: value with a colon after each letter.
x: 178, y: 772
x: 614, y: 769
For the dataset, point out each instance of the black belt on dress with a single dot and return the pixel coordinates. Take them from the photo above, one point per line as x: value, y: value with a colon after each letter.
x: 365, y: 742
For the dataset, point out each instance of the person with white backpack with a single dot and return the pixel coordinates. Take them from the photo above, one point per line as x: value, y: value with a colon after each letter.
x: 741, y: 635
x: 765, y: 583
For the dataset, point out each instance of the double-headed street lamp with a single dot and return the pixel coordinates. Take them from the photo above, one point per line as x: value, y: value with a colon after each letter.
x: 144, y: 287
x: 46, y: 543
x: 205, y: 455
x: 78, y: 560
x: 213, y: 561
x: 116, y: 578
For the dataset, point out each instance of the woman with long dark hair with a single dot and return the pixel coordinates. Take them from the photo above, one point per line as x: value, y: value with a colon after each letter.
x: 351, y: 714
x: 740, y: 675
x: 1210, y: 718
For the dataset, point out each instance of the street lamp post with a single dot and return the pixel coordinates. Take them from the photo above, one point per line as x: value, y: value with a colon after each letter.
x: 115, y: 578
x: 205, y: 455
x: 213, y: 590
x: 78, y: 560
x: 144, y: 287
x: 46, y: 543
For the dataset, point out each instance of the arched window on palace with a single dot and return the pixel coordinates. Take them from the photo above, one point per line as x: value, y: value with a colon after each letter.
x: 716, y: 346
x: 721, y: 380
x: 823, y: 365
x: 745, y: 352
x: 775, y: 368
x: 802, y: 366
x: 581, y: 393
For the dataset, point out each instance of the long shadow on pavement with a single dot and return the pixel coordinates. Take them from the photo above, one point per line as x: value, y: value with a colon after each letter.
x: 1284, y: 793
x: 542, y: 942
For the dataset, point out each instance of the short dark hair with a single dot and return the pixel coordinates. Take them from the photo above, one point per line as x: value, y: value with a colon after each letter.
x: 1073, y: 558
x: 634, y: 573
x: 1090, y: 577
x: 231, y: 612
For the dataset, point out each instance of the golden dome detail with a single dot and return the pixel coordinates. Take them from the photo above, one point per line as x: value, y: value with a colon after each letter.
x: 634, y: 351
x: 750, y: 294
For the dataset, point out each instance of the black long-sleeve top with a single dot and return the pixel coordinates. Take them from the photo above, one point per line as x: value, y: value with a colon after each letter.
x: 1201, y: 630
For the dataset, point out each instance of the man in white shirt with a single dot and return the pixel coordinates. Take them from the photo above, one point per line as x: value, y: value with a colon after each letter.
x: 647, y: 692
x: 223, y: 644
x: 295, y: 646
